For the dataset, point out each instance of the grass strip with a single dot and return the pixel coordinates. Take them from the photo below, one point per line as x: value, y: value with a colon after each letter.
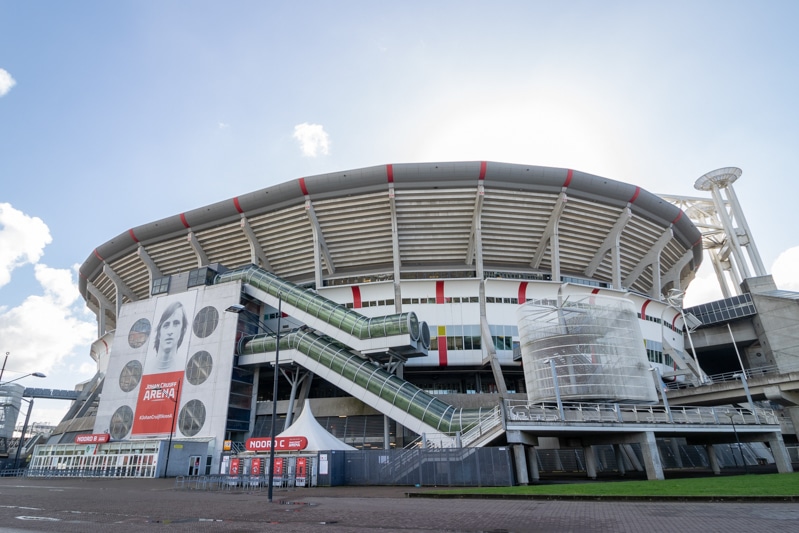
x: 747, y: 485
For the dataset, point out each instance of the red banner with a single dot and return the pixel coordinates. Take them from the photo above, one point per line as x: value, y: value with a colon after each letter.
x: 255, y: 467
x: 234, y: 467
x: 264, y: 444
x: 159, y: 397
x: 93, y: 438
x: 301, y: 467
x: 278, y: 466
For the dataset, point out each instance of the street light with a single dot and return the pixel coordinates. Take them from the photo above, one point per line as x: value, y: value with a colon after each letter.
x: 24, y: 430
x: 34, y: 374
x: 551, y: 363
x: 175, y: 400
x: 731, y: 416
x: 238, y: 308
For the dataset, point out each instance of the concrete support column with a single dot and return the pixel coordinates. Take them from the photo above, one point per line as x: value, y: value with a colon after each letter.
x: 520, y: 460
x: 620, y: 466
x: 633, y: 458
x: 781, y: 457
x: 675, y: 449
x: 652, y: 462
x: 713, y: 458
x: 532, y: 460
x: 590, y: 461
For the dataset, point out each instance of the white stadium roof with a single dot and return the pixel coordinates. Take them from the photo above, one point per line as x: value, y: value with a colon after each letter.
x: 462, y: 217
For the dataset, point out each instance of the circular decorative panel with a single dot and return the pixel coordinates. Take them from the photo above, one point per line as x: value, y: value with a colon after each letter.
x: 191, y: 418
x: 139, y: 333
x: 121, y: 422
x: 130, y: 376
x: 199, y: 367
x: 205, y: 321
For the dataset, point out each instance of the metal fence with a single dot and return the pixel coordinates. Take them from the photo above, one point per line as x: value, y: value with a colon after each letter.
x: 458, y: 467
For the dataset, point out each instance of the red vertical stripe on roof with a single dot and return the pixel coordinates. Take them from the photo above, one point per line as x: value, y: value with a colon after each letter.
x: 98, y: 256
x: 356, y: 297
x: 237, y: 204
x: 439, y: 292
x: 643, y: 309
x: 483, y: 166
x: 635, y: 196
x: 679, y: 216
x: 442, y: 351
x: 390, y: 173
x: 185, y: 222
x: 302, y: 186
x: 133, y: 235
x: 569, y: 175
x: 522, y: 292
x: 674, y: 322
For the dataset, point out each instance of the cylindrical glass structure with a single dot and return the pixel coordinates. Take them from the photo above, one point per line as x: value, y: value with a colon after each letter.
x: 597, y: 348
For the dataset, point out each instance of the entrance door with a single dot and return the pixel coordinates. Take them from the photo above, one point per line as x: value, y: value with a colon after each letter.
x: 195, y: 465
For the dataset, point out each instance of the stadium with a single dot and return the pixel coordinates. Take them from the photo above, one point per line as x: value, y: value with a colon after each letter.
x: 449, y: 306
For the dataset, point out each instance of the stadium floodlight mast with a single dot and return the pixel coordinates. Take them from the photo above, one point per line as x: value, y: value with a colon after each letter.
x: 239, y: 309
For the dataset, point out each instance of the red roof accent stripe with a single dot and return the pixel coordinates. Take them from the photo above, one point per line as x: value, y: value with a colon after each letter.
x: 679, y: 216
x: 237, y: 204
x: 635, y: 196
x: 522, y: 292
x: 98, y: 256
x: 439, y: 292
x: 356, y: 297
x: 696, y: 242
x: 390, y: 173
x: 483, y: 166
x: 674, y: 322
x: 569, y: 175
x: 183, y: 219
x: 643, y: 309
x: 302, y: 186
x: 133, y: 235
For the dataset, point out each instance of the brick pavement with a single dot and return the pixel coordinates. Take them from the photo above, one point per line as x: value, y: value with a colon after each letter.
x: 72, y: 505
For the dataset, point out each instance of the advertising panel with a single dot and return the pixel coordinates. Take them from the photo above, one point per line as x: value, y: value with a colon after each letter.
x: 301, y: 473
x: 170, y: 366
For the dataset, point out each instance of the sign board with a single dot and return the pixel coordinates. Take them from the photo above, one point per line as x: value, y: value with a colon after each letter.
x: 92, y: 438
x: 264, y: 444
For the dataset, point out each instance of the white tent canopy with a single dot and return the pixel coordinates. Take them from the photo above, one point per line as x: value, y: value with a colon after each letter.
x: 318, y: 437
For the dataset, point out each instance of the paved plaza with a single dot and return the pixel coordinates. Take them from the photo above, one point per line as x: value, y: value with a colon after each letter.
x: 78, y: 505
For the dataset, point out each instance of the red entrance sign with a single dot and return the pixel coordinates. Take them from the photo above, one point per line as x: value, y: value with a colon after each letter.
x: 93, y: 438
x: 264, y: 444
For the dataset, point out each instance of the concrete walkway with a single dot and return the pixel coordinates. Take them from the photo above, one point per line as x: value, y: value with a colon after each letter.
x: 72, y: 505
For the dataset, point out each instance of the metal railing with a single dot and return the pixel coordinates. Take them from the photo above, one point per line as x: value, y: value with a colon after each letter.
x: 549, y: 413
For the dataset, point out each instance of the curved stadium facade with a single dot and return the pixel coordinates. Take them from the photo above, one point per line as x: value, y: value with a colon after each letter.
x: 413, y: 276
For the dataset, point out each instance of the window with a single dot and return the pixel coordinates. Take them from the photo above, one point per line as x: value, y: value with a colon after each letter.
x: 160, y: 285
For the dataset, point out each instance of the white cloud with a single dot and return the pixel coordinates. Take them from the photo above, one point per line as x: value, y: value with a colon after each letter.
x: 705, y: 286
x: 313, y: 139
x: 50, y: 332
x: 22, y: 240
x: 6, y: 82
x: 46, y: 329
x: 785, y: 269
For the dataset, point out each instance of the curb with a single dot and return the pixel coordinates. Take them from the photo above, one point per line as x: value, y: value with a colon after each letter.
x: 576, y: 497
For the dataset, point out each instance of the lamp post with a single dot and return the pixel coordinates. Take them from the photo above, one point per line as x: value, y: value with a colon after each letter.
x: 551, y: 363
x: 731, y: 416
x: 34, y: 374
x: 24, y: 430
x: 661, y: 387
x: 175, y: 400
x: 238, y: 308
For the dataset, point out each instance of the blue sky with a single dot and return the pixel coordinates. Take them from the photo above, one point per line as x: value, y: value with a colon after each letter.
x: 114, y: 114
